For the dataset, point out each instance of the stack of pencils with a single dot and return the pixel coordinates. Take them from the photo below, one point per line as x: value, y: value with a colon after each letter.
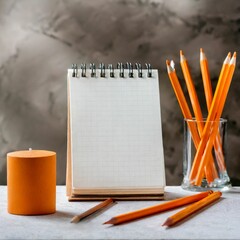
x: 205, y: 135
x: 197, y: 202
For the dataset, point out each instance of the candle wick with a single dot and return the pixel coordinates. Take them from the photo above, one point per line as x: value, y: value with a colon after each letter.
x: 30, y: 149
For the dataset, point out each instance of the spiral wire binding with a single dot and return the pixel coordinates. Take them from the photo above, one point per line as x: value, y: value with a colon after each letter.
x: 130, y: 69
x: 102, y: 70
x: 75, y: 70
x: 139, y: 68
x: 111, y: 68
x: 84, y: 69
x: 93, y: 69
x: 120, y: 66
x: 149, y: 69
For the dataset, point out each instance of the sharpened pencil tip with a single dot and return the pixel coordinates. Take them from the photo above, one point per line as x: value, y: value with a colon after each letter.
x: 182, y: 57
x: 111, y: 221
x: 168, y: 222
x: 170, y: 66
x: 167, y: 62
x: 233, y: 59
x: 108, y: 222
x: 202, y: 55
x: 227, y: 59
x: 75, y: 219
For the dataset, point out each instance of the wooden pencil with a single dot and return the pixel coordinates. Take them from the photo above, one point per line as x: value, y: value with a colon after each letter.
x: 210, y: 119
x: 126, y: 217
x: 210, y: 170
x: 92, y: 210
x: 187, y: 115
x: 213, y: 133
x: 209, y: 96
x: 206, y: 78
x: 192, y: 209
x: 192, y: 92
x: 182, y: 102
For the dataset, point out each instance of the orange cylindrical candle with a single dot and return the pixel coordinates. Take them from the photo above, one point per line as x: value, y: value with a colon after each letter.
x: 31, y: 181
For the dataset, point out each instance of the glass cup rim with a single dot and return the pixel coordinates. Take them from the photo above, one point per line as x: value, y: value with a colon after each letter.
x: 221, y: 120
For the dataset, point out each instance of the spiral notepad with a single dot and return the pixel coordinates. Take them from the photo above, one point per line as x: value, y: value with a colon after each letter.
x: 114, y: 133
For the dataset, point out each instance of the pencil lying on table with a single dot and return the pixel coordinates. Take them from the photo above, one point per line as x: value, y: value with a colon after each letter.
x: 192, y: 209
x: 126, y: 217
x: 91, y: 210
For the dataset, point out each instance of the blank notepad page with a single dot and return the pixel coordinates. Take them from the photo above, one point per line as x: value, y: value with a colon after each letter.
x: 116, y: 135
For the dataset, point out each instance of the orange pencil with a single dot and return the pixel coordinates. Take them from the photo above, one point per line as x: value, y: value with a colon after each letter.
x: 210, y: 118
x: 92, y: 210
x: 182, y: 102
x: 213, y: 133
x: 210, y: 175
x: 206, y: 78
x: 126, y: 217
x: 192, y: 92
x: 209, y: 95
x: 210, y: 170
x: 192, y: 209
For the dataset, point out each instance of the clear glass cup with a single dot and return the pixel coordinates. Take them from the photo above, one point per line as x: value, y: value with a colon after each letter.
x: 214, y: 175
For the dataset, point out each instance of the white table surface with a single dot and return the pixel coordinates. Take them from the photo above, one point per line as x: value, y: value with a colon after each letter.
x: 220, y: 221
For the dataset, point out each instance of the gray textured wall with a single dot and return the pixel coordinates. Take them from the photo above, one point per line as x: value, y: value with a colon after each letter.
x: 40, y: 39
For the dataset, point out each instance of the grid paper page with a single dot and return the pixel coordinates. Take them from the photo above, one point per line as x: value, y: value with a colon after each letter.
x: 116, y: 132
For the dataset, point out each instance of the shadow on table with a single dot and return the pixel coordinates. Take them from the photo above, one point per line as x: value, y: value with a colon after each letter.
x: 56, y: 215
x: 195, y: 214
x: 171, y: 195
x: 69, y: 215
x: 94, y: 215
x: 177, y: 224
x: 233, y: 190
